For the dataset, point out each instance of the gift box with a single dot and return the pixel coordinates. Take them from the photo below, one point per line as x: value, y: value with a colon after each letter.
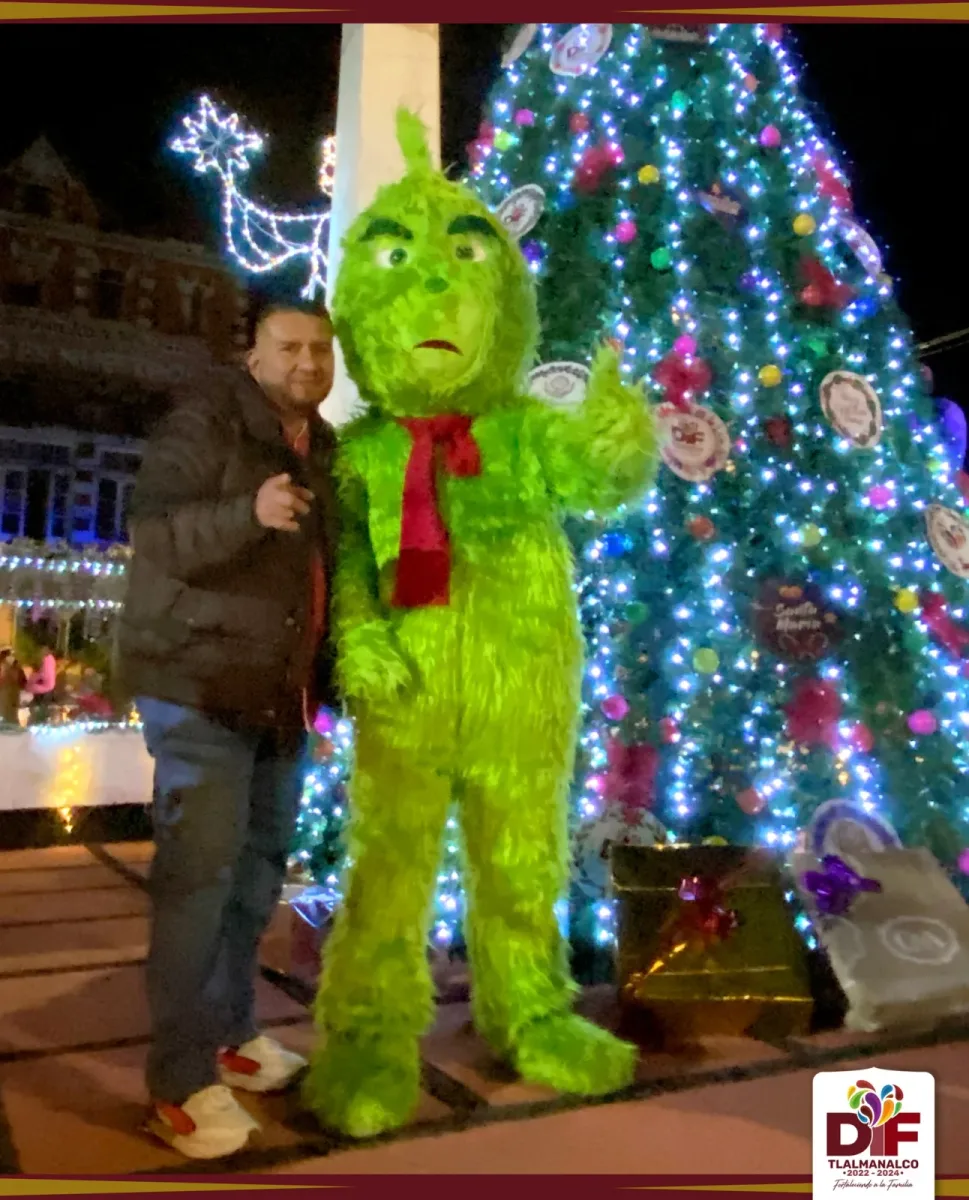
x: 896, y: 931
x: 295, y: 942
x: 707, y: 944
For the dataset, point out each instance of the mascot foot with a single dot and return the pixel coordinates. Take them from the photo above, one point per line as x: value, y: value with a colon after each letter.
x: 364, y: 1086
x: 571, y: 1055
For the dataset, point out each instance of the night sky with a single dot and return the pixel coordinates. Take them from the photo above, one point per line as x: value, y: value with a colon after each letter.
x: 108, y: 97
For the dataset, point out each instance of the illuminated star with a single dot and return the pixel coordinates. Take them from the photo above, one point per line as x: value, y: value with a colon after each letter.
x: 217, y: 142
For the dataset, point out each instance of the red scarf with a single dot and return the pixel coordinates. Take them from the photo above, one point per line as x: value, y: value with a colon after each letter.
x: 424, y: 562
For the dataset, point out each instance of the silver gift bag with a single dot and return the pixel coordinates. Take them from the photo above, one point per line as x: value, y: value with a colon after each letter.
x: 901, y: 952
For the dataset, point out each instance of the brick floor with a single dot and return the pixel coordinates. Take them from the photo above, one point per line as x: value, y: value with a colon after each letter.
x: 74, y: 1034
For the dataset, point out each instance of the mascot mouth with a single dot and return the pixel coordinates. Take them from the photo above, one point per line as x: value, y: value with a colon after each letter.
x: 437, y: 344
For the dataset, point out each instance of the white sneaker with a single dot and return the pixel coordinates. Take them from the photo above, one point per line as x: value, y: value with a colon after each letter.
x: 261, y: 1065
x: 210, y: 1124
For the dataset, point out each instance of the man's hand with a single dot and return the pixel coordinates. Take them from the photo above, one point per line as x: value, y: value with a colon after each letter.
x: 279, y: 504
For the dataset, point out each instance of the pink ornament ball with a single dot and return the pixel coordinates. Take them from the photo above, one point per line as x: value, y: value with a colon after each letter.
x: 964, y: 862
x: 625, y: 231
x: 685, y: 345
x: 669, y: 731
x: 324, y: 723
x: 770, y: 136
x: 923, y: 722
x: 524, y: 116
x: 615, y: 707
x: 880, y: 496
x: 596, y: 784
x: 750, y: 801
x: 862, y: 738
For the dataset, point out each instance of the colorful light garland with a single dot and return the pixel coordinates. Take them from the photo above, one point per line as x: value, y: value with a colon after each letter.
x: 259, y: 239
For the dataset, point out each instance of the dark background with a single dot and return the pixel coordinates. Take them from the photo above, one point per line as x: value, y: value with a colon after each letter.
x: 894, y: 99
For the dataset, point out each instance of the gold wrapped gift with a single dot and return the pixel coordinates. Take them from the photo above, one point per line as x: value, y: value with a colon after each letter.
x: 707, y: 944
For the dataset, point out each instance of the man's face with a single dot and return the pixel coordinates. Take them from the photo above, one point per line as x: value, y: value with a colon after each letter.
x: 292, y: 360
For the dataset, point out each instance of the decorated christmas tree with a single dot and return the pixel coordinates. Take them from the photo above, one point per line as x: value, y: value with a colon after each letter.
x: 780, y: 625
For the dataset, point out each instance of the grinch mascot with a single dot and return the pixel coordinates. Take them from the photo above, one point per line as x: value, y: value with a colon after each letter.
x: 460, y: 651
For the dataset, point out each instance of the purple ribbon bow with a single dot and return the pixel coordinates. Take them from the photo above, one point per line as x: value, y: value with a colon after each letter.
x: 836, y: 885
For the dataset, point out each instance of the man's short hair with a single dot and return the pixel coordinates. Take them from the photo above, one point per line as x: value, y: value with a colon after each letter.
x: 261, y: 312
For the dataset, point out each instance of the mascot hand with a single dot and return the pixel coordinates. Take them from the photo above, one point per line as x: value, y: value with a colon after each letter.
x: 606, y: 384
x: 371, y: 665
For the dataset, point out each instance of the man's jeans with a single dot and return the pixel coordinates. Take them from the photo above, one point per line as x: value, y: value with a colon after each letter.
x: 225, y: 806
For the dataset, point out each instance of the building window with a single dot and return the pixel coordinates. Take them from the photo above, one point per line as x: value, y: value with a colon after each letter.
x: 12, y: 514
x: 36, y: 520
x: 106, y: 518
x: 37, y: 200
x: 126, y: 496
x: 26, y: 295
x: 110, y: 295
x: 59, y: 500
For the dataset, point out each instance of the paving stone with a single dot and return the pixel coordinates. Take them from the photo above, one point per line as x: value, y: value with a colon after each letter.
x: 77, y: 1008
x: 50, y: 907
x: 64, y: 879
x: 73, y: 945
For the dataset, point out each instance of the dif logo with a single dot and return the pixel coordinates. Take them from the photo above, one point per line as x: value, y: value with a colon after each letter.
x: 874, y: 1132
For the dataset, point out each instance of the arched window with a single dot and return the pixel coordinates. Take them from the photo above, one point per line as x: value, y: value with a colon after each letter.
x: 109, y: 296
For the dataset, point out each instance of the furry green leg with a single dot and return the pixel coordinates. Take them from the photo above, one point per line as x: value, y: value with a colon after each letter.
x: 515, y: 825
x: 375, y: 998
x: 572, y: 1055
x: 363, y: 1085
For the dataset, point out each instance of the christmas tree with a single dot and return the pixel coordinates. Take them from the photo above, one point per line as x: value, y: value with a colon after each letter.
x: 779, y: 625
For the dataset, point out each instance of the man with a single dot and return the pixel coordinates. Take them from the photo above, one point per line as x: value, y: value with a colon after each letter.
x: 224, y: 646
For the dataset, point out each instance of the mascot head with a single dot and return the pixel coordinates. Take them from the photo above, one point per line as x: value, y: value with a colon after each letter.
x: 434, y: 305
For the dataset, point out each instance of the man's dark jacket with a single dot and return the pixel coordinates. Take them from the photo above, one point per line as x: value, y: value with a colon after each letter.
x: 217, y: 606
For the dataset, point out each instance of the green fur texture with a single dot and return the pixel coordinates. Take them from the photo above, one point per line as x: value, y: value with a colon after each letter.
x: 475, y: 703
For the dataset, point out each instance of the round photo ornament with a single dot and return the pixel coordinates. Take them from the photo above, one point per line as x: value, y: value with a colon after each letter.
x: 580, y: 49
x: 559, y: 384
x: 852, y: 408
x: 948, y: 534
x: 694, y: 442
x: 519, y: 44
x: 520, y: 211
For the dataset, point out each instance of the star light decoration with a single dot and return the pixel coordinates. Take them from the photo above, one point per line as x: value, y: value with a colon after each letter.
x: 259, y: 239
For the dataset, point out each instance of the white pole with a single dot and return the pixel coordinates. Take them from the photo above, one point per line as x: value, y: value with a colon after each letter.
x: 381, y: 68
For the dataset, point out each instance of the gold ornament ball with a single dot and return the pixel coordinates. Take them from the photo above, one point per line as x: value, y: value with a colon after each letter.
x: 649, y: 174
x: 504, y: 140
x: 811, y: 535
x: 804, y: 225
x: 706, y: 660
x: 906, y: 600
x: 715, y: 841
x: 935, y: 465
x: 771, y: 375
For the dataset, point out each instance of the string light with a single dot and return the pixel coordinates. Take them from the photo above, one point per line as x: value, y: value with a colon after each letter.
x: 704, y: 605
x: 259, y: 239
x: 327, y: 165
x: 696, y: 596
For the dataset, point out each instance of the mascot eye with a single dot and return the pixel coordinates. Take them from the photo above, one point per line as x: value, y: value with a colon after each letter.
x: 473, y: 251
x: 391, y: 256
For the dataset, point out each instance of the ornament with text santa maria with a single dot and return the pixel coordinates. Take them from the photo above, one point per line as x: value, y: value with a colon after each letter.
x: 795, y: 622
x: 789, y: 603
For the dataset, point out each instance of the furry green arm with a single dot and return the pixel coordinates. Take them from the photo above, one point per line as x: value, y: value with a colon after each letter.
x: 370, y: 666
x: 604, y: 454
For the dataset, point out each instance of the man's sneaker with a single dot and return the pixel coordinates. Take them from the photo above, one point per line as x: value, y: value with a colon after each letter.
x: 261, y: 1065
x: 210, y: 1124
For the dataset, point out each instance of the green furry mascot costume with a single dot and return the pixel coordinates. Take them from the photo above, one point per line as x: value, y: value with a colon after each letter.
x: 460, y: 650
